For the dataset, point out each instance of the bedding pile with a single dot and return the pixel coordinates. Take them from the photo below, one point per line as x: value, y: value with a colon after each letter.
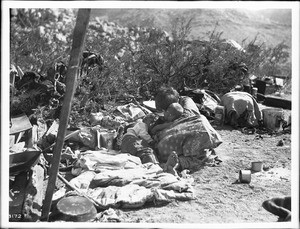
x: 116, y: 180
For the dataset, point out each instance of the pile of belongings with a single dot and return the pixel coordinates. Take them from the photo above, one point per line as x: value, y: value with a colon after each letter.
x: 118, y: 180
x: 114, y: 179
x: 206, y: 100
x: 122, y: 115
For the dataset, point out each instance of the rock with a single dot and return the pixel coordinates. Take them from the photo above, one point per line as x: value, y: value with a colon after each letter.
x: 280, y: 143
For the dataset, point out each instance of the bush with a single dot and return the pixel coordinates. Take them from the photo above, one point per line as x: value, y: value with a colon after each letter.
x: 137, y: 60
x: 40, y: 37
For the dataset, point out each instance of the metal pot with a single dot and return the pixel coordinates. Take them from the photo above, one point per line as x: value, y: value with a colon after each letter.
x: 76, y: 209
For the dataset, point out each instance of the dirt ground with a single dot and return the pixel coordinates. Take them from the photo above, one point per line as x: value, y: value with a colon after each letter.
x: 220, y: 198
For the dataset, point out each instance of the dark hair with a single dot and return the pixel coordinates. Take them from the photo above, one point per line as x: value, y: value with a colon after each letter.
x: 166, y: 96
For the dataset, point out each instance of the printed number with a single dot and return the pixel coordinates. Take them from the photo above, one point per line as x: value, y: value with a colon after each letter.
x: 15, y: 216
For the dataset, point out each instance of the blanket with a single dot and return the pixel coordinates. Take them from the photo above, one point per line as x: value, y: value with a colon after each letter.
x: 119, y: 180
x: 188, y: 136
x: 241, y: 108
x: 105, y: 160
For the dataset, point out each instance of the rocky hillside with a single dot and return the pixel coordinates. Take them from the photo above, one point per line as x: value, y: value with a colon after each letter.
x: 270, y: 26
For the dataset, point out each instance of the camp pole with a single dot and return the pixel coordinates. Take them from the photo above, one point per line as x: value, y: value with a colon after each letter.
x: 83, y: 17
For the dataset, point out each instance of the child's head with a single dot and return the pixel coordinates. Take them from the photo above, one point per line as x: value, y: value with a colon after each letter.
x: 149, y: 119
x: 173, y: 112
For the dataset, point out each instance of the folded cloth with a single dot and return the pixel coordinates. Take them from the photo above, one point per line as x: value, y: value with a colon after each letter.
x: 135, y: 196
x: 164, y: 181
x: 83, y: 180
x: 101, y: 159
x: 125, y: 176
x: 128, y: 196
x: 124, y: 187
x: 166, y: 196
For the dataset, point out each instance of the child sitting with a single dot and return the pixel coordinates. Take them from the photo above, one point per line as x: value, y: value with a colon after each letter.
x: 138, y: 142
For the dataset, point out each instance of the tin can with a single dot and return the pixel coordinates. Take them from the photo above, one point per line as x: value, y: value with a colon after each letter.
x: 257, y: 166
x: 245, y: 176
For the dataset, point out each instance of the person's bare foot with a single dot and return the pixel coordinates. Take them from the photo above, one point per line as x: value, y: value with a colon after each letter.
x: 172, y: 164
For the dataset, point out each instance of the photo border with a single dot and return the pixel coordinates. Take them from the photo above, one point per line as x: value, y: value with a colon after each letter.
x: 294, y: 6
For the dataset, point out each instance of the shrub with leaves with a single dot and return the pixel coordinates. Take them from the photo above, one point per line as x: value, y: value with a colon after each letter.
x: 40, y: 37
x: 137, y: 60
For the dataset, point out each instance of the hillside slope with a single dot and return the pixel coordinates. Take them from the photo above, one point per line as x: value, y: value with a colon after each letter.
x: 270, y: 26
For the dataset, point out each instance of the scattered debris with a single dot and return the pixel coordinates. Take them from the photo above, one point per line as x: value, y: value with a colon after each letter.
x: 109, y: 215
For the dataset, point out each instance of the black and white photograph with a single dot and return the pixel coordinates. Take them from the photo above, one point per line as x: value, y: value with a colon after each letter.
x: 140, y: 114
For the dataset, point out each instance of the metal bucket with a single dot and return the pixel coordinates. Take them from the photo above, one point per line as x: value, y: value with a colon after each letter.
x: 76, y: 209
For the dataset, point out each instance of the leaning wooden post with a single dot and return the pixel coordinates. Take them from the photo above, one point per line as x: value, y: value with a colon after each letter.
x: 82, y: 21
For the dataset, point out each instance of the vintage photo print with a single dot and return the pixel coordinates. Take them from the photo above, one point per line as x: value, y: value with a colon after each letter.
x: 149, y: 114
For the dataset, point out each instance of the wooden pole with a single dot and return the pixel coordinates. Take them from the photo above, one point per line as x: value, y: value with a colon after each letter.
x: 78, y: 191
x: 82, y: 21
